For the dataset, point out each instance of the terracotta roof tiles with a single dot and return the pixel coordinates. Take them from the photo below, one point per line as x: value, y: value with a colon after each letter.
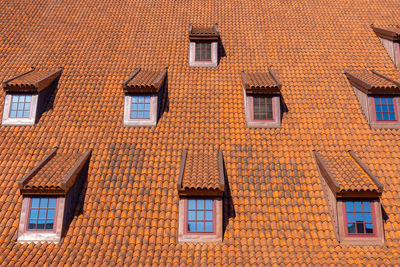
x: 373, y: 82
x: 203, y: 33
x: 261, y: 82
x: 391, y: 32
x: 142, y: 81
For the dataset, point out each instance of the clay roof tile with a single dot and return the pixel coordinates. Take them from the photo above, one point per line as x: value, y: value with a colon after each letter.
x: 142, y: 81
x: 261, y: 82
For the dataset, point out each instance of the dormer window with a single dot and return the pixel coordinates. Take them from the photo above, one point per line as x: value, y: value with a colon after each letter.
x: 203, y: 46
x: 201, y: 188
x: 262, y: 98
x: 352, y: 193
x: 50, y: 192
x: 25, y: 96
x: 144, y: 97
x: 378, y: 96
x: 390, y: 38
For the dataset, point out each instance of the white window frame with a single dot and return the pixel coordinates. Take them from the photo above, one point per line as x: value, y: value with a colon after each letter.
x: 141, y: 122
x: 6, y: 120
x: 214, y: 56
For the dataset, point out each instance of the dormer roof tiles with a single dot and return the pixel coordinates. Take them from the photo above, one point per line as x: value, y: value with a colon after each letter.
x: 200, y: 33
x: 261, y: 82
x: 372, y: 82
x: 391, y: 32
x: 143, y: 81
x: 55, y: 173
x: 201, y: 172
x: 31, y: 81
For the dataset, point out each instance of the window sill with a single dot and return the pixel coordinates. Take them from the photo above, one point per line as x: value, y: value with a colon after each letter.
x: 37, y: 237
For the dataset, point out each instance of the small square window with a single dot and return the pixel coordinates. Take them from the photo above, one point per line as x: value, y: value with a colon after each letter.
x: 385, y: 109
x: 140, y: 107
x: 42, y: 214
x: 263, y: 108
x: 20, y: 106
x: 359, y: 217
x: 200, y: 216
x: 203, y: 51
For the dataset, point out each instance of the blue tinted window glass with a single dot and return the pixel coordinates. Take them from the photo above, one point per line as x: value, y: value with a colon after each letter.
x: 359, y: 217
x: 146, y: 115
x: 200, y: 226
x: 208, y: 227
x: 379, y: 116
x: 385, y: 108
x: 43, y: 202
x: 392, y: 117
x: 390, y: 101
x: 200, y: 215
x: 140, y: 114
x: 33, y: 214
x: 192, y: 204
x: 350, y: 217
x: 20, y: 106
x: 366, y: 206
x: 20, y: 113
x: 209, y: 204
x: 134, y: 99
x: 369, y: 229
x: 35, y: 203
x: 32, y: 224
x: 200, y: 204
x: 357, y: 206
x: 52, y: 202
x: 385, y: 116
x: 209, y: 215
x: 40, y: 224
x: 191, y: 215
x: 349, y: 206
x: 191, y: 226
x: 368, y: 217
x: 42, y: 214
x: 51, y: 213
x: 378, y: 108
x: 133, y: 115
x: 147, y: 99
x: 351, y: 228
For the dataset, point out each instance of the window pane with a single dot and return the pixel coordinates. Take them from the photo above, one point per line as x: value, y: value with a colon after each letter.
x: 200, y: 226
x: 147, y: 99
x: 43, y: 202
x: 35, y: 203
x: 192, y: 204
x: 350, y: 217
x: 19, y: 113
x: 367, y: 217
x: 33, y: 214
x: 140, y: 114
x: 209, y: 215
x: 359, y: 217
x: 367, y: 206
x: 208, y: 227
x: 40, y: 224
x: 349, y: 206
x: 134, y: 99
x: 191, y: 215
x: 360, y: 228
x: 51, y: 214
x: 385, y: 116
x: 209, y: 204
x: 133, y: 115
x: 42, y: 214
x: 191, y: 227
x: 32, y: 224
x: 392, y: 117
x: 28, y: 98
x: 146, y: 115
x: 13, y: 114
x: 357, y: 206
x: 49, y: 224
x: 379, y: 116
x: 200, y: 215
x: 52, y: 202
x: 351, y: 228
x: 369, y: 229
x: 200, y: 204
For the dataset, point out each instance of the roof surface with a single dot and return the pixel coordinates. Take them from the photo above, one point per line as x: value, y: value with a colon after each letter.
x: 34, y: 79
x: 261, y: 81
x: 145, y: 81
x: 347, y: 173
x: 276, y: 211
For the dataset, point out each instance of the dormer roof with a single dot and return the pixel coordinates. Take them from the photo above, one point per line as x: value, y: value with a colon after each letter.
x: 201, y: 173
x: 372, y: 82
x: 344, y: 172
x: 391, y: 32
x: 143, y: 81
x: 55, y: 173
x: 261, y: 82
x: 31, y: 81
x: 200, y: 33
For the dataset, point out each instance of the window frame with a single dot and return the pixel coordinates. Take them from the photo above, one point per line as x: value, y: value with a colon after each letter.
x: 197, y: 63
x: 373, y: 215
x: 8, y: 120
x: 195, y: 53
x: 249, y: 114
x: 154, y: 110
x: 396, y: 114
x: 130, y: 108
x: 273, y: 108
x: 186, y: 220
x: 29, y: 211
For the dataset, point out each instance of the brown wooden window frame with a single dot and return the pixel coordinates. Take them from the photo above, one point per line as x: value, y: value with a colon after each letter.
x: 186, y: 231
x: 28, y: 217
x: 373, y: 218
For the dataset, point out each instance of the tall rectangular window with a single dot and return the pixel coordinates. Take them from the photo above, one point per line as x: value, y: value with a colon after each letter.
x: 203, y: 51
x: 20, y: 106
x: 262, y: 108
x: 42, y: 213
x: 385, y: 109
x: 359, y: 216
x: 200, y: 216
x: 140, y: 107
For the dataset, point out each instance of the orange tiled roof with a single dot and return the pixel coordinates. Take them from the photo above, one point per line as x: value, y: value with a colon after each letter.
x: 373, y: 82
x: 347, y: 172
x: 201, y: 170
x: 32, y: 80
x: 142, y: 81
x: 265, y: 82
x: 275, y: 211
x: 54, y: 172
